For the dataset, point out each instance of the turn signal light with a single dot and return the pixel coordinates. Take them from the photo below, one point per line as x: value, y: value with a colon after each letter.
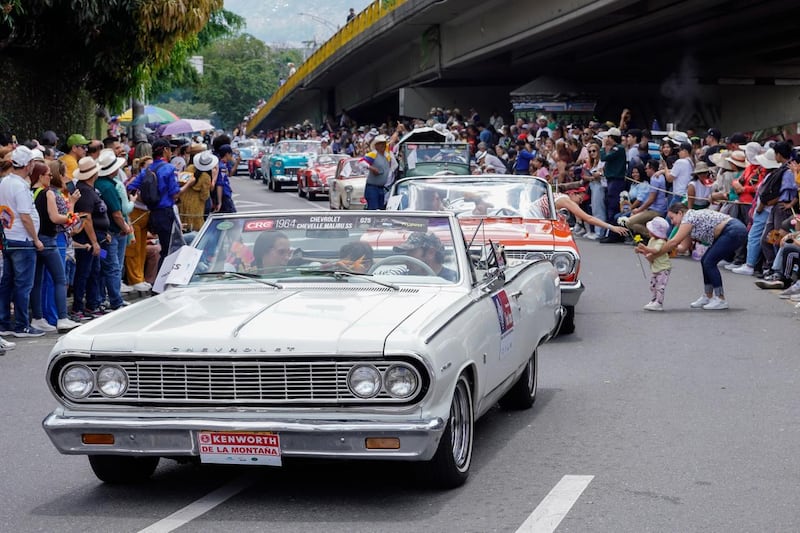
x: 97, y: 438
x: 383, y: 443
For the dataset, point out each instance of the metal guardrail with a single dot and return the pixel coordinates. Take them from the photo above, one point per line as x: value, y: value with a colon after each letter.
x: 358, y: 25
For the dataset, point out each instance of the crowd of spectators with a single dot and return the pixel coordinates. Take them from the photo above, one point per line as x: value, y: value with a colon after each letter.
x: 631, y: 175
x: 75, y: 221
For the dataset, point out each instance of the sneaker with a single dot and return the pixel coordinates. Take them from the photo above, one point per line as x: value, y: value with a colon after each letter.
x: 42, y: 324
x: 700, y: 302
x: 745, y: 270
x: 653, y: 306
x: 592, y: 236
x: 142, y: 287
x: 65, y: 324
x: 716, y: 304
x: 794, y: 289
x: 125, y: 289
x: 770, y: 284
x: 80, y: 316
x: 731, y: 266
x: 795, y: 297
x: 30, y: 331
x: 7, y: 345
x: 724, y: 264
x: 100, y: 311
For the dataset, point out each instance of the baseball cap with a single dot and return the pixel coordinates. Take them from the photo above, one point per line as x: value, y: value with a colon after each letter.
x: 419, y: 239
x: 160, y: 144
x: 685, y: 146
x: 714, y: 132
x: 577, y: 190
x: 21, y: 156
x: 737, y: 138
x: 76, y: 139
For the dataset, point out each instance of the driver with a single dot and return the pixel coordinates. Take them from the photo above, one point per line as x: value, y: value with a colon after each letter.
x: 481, y: 207
x: 429, y: 249
x: 272, y: 249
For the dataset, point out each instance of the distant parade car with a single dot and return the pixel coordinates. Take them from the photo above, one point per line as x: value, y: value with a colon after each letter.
x: 514, y: 211
x: 347, y: 185
x: 280, y: 167
x: 425, y: 152
x: 313, y: 179
x: 308, y: 334
x: 248, y: 151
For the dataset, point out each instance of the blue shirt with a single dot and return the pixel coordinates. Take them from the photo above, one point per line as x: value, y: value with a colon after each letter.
x: 788, y: 186
x: 224, y: 181
x: 168, y: 186
x: 658, y: 184
x: 524, y: 159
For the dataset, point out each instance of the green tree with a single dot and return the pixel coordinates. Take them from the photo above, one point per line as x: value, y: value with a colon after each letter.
x: 237, y: 74
x: 60, y: 55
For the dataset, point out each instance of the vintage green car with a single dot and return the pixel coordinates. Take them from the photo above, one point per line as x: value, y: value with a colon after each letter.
x: 426, y: 152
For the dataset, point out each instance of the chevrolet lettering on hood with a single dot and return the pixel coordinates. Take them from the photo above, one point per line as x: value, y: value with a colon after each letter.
x: 360, y: 335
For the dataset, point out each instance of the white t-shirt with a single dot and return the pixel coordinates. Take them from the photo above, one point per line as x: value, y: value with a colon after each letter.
x: 16, y: 198
x: 682, y: 175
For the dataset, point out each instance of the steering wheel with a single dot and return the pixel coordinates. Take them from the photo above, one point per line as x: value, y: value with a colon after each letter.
x: 402, y: 260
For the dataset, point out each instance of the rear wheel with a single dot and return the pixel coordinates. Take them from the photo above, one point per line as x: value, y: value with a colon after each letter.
x: 121, y: 469
x: 568, y: 324
x: 523, y: 394
x: 449, y: 467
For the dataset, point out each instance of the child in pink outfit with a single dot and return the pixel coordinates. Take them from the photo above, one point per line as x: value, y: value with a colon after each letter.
x: 660, y: 264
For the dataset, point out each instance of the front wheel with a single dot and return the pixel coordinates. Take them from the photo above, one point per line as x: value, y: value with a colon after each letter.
x: 312, y: 196
x: 121, y: 469
x: 449, y: 467
x: 276, y: 186
x: 300, y: 192
x: 523, y: 394
x: 568, y: 324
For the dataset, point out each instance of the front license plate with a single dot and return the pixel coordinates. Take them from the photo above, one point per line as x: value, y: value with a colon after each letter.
x: 240, y: 447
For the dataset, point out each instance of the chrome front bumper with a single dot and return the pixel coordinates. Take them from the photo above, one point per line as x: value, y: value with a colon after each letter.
x: 289, y: 174
x: 571, y: 293
x: 177, y: 437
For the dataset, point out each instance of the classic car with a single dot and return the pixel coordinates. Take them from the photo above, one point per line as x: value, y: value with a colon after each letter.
x: 425, y: 152
x: 287, y: 335
x: 280, y: 167
x: 313, y: 179
x: 514, y: 211
x: 247, y: 151
x: 347, y: 185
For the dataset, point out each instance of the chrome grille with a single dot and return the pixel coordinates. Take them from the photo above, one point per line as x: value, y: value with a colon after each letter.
x: 520, y: 254
x: 250, y: 382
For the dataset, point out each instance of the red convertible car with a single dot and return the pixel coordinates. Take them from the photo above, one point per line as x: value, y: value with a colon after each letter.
x: 313, y: 179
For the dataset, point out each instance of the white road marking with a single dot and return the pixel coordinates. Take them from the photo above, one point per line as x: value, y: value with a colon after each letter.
x: 201, y: 506
x: 555, y: 506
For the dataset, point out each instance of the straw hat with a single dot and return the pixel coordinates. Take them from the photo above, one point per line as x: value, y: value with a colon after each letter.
x: 87, y: 168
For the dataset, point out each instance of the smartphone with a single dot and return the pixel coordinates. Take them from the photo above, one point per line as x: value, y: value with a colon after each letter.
x: 103, y: 253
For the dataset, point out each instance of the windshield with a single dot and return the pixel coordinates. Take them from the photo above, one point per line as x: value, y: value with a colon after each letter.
x: 466, y: 197
x: 435, y: 153
x: 287, y: 147
x: 397, y: 249
x: 353, y: 169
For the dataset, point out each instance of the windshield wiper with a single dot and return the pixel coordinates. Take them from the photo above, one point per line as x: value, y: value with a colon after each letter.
x: 341, y: 274
x: 242, y: 275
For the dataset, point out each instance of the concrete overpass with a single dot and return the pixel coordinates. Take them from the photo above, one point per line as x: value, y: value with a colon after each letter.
x: 734, y: 64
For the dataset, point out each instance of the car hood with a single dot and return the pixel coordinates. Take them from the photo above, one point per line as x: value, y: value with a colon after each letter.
x: 510, y: 232
x: 335, y: 318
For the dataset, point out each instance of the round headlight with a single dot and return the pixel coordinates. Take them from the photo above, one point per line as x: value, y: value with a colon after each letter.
x: 278, y: 163
x: 400, y: 381
x: 77, y: 381
x: 564, y: 263
x: 112, y: 381
x: 364, y: 381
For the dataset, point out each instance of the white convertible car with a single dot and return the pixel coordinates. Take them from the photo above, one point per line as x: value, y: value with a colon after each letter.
x: 369, y: 335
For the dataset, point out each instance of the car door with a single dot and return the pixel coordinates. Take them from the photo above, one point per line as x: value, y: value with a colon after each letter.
x: 505, y: 329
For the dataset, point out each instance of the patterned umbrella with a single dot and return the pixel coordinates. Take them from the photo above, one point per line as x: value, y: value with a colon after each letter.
x: 186, y: 125
x: 152, y: 115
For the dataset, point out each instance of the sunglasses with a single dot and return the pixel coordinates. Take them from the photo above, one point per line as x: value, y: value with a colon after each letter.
x: 592, y: 151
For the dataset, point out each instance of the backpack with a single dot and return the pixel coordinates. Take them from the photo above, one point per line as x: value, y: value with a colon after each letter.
x: 770, y: 190
x: 148, y: 188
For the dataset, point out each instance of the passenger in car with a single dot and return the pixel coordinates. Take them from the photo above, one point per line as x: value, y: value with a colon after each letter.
x: 356, y: 256
x: 271, y: 249
x: 429, y: 249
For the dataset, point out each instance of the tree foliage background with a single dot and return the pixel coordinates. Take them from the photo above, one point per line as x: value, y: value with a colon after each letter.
x: 61, y: 56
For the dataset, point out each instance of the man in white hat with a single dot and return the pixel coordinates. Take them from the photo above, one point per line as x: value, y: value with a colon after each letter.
x: 21, y: 226
x: 379, y: 163
x: 118, y: 228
